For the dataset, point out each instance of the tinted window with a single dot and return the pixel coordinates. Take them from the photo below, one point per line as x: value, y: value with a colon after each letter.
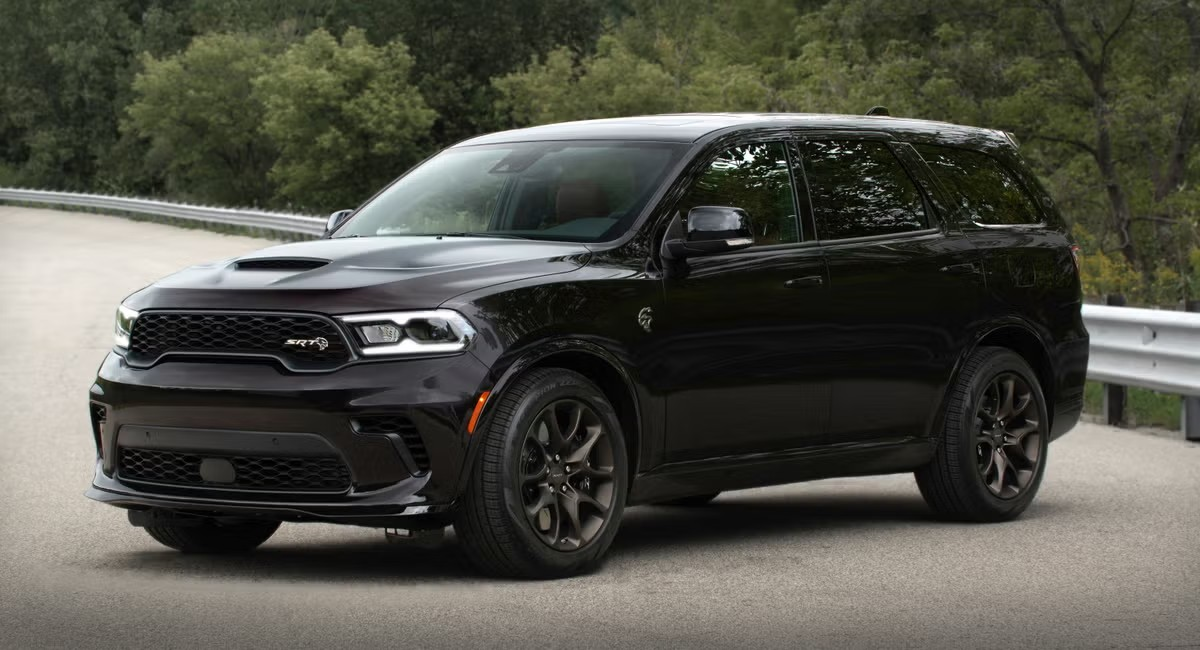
x: 755, y: 178
x: 859, y: 188
x: 986, y: 191
x: 570, y: 191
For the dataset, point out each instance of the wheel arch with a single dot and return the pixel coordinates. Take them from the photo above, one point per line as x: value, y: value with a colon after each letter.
x: 592, y: 361
x: 1014, y: 335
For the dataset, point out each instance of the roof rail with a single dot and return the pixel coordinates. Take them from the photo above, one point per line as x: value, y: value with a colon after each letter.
x: 878, y: 110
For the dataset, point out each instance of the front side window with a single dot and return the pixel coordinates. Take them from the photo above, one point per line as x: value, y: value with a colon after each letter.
x: 987, y: 192
x: 756, y: 178
x: 860, y: 189
x: 563, y: 191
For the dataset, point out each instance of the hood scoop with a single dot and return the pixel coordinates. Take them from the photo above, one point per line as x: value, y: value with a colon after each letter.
x: 280, y: 264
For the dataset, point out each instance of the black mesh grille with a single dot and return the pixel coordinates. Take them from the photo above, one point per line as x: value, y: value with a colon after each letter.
x: 251, y: 472
x: 99, y: 417
x: 399, y: 425
x: 319, y: 343
x: 99, y: 412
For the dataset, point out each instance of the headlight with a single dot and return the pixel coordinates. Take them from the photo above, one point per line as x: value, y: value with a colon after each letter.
x: 125, y: 318
x: 437, y: 331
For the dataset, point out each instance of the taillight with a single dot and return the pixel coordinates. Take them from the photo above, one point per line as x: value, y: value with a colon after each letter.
x: 1075, y: 256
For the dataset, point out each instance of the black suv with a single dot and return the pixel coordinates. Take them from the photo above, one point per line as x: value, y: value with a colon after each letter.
x: 534, y: 329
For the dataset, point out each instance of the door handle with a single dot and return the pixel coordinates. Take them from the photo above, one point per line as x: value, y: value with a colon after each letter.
x: 805, y: 282
x: 966, y: 268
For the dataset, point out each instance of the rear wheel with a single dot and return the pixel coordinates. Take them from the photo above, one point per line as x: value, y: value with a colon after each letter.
x: 212, y: 536
x: 691, y: 501
x: 548, y: 489
x: 992, y: 453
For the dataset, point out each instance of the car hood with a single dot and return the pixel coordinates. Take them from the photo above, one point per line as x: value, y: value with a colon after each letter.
x: 347, y: 275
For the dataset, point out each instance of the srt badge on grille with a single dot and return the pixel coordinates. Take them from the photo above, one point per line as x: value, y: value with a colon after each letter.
x: 319, y: 343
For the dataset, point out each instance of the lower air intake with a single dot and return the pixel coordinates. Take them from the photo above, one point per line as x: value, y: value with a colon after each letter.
x: 301, y: 474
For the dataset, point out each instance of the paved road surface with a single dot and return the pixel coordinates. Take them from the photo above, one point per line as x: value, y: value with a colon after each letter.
x: 1109, y: 554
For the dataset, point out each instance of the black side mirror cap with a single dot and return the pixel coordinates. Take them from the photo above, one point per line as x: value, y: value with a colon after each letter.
x: 710, y: 230
x: 336, y: 219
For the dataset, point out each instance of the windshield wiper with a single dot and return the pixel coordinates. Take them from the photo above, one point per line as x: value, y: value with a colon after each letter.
x: 475, y: 234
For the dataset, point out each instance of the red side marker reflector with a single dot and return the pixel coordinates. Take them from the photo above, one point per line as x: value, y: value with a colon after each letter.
x: 483, y: 397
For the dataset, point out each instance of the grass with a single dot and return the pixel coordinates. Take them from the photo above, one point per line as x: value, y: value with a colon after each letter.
x: 1142, y: 407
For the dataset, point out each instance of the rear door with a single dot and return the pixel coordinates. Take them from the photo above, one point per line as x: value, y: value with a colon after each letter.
x: 905, y: 288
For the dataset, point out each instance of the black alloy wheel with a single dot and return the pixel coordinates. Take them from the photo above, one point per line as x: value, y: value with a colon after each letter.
x: 1009, y: 436
x: 990, y: 454
x: 547, y: 490
x: 567, y: 475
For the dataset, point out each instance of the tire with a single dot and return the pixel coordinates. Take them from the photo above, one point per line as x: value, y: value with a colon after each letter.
x: 694, y: 501
x: 208, y: 536
x: 500, y: 522
x: 960, y: 483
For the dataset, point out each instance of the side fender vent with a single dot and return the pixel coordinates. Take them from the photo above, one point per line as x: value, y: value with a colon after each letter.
x: 398, y: 428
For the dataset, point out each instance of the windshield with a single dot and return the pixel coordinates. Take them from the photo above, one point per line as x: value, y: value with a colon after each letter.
x: 565, y: 191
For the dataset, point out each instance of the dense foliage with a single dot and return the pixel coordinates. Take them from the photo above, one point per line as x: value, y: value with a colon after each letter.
x: 312, y: 104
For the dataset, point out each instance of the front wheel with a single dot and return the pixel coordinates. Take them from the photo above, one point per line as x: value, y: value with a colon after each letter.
x: 992, y: 452
x: 548, y: 489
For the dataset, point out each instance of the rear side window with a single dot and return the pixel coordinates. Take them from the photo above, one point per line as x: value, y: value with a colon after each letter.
x: 859, y: 189
x: 987, y: 192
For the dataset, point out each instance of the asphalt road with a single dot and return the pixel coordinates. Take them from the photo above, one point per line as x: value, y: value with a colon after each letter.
x: 1108, y: 556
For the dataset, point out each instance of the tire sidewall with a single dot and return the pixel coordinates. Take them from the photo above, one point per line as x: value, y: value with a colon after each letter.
x: 965, y: 434
x: 560, y: 386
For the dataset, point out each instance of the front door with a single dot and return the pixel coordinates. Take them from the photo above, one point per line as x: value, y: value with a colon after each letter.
x: 740, y: 342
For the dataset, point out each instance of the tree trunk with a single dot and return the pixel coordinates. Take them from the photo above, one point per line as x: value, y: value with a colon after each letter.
x: 1122, y: 215
x: 1095, y: 67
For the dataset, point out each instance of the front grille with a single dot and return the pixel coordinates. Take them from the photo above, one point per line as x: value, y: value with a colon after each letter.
x: 397, y: 425
x: 306, y: 474
x: 160, y: 333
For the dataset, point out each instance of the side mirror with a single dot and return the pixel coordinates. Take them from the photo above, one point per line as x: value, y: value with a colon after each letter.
x: 710, y: 230
x: 336, y: 219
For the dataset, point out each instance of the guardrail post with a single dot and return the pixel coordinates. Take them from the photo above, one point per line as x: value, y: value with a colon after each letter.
x: 1190, y: 416
x: 1114, y: 396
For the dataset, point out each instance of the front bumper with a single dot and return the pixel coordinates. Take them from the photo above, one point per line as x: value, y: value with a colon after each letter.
x: 226, y: 410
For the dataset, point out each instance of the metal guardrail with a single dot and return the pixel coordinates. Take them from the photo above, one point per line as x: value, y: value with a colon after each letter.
x: 1148, y: 348
x: 248, y: 218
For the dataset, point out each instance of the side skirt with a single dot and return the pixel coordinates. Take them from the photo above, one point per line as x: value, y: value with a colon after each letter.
x: 675, y: 480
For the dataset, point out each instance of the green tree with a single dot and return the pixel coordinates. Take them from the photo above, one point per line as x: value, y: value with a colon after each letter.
x: 668, y: 56
x: 63, y: 66
x: 458, y: 46
x: 1103, y: 94
x: 345, y: 117
x: 202, y: 118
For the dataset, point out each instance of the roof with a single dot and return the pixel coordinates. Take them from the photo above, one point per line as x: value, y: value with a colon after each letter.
x: 692, y: 127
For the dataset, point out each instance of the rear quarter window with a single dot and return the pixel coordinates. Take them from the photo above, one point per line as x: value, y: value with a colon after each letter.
x: 980, y: 185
